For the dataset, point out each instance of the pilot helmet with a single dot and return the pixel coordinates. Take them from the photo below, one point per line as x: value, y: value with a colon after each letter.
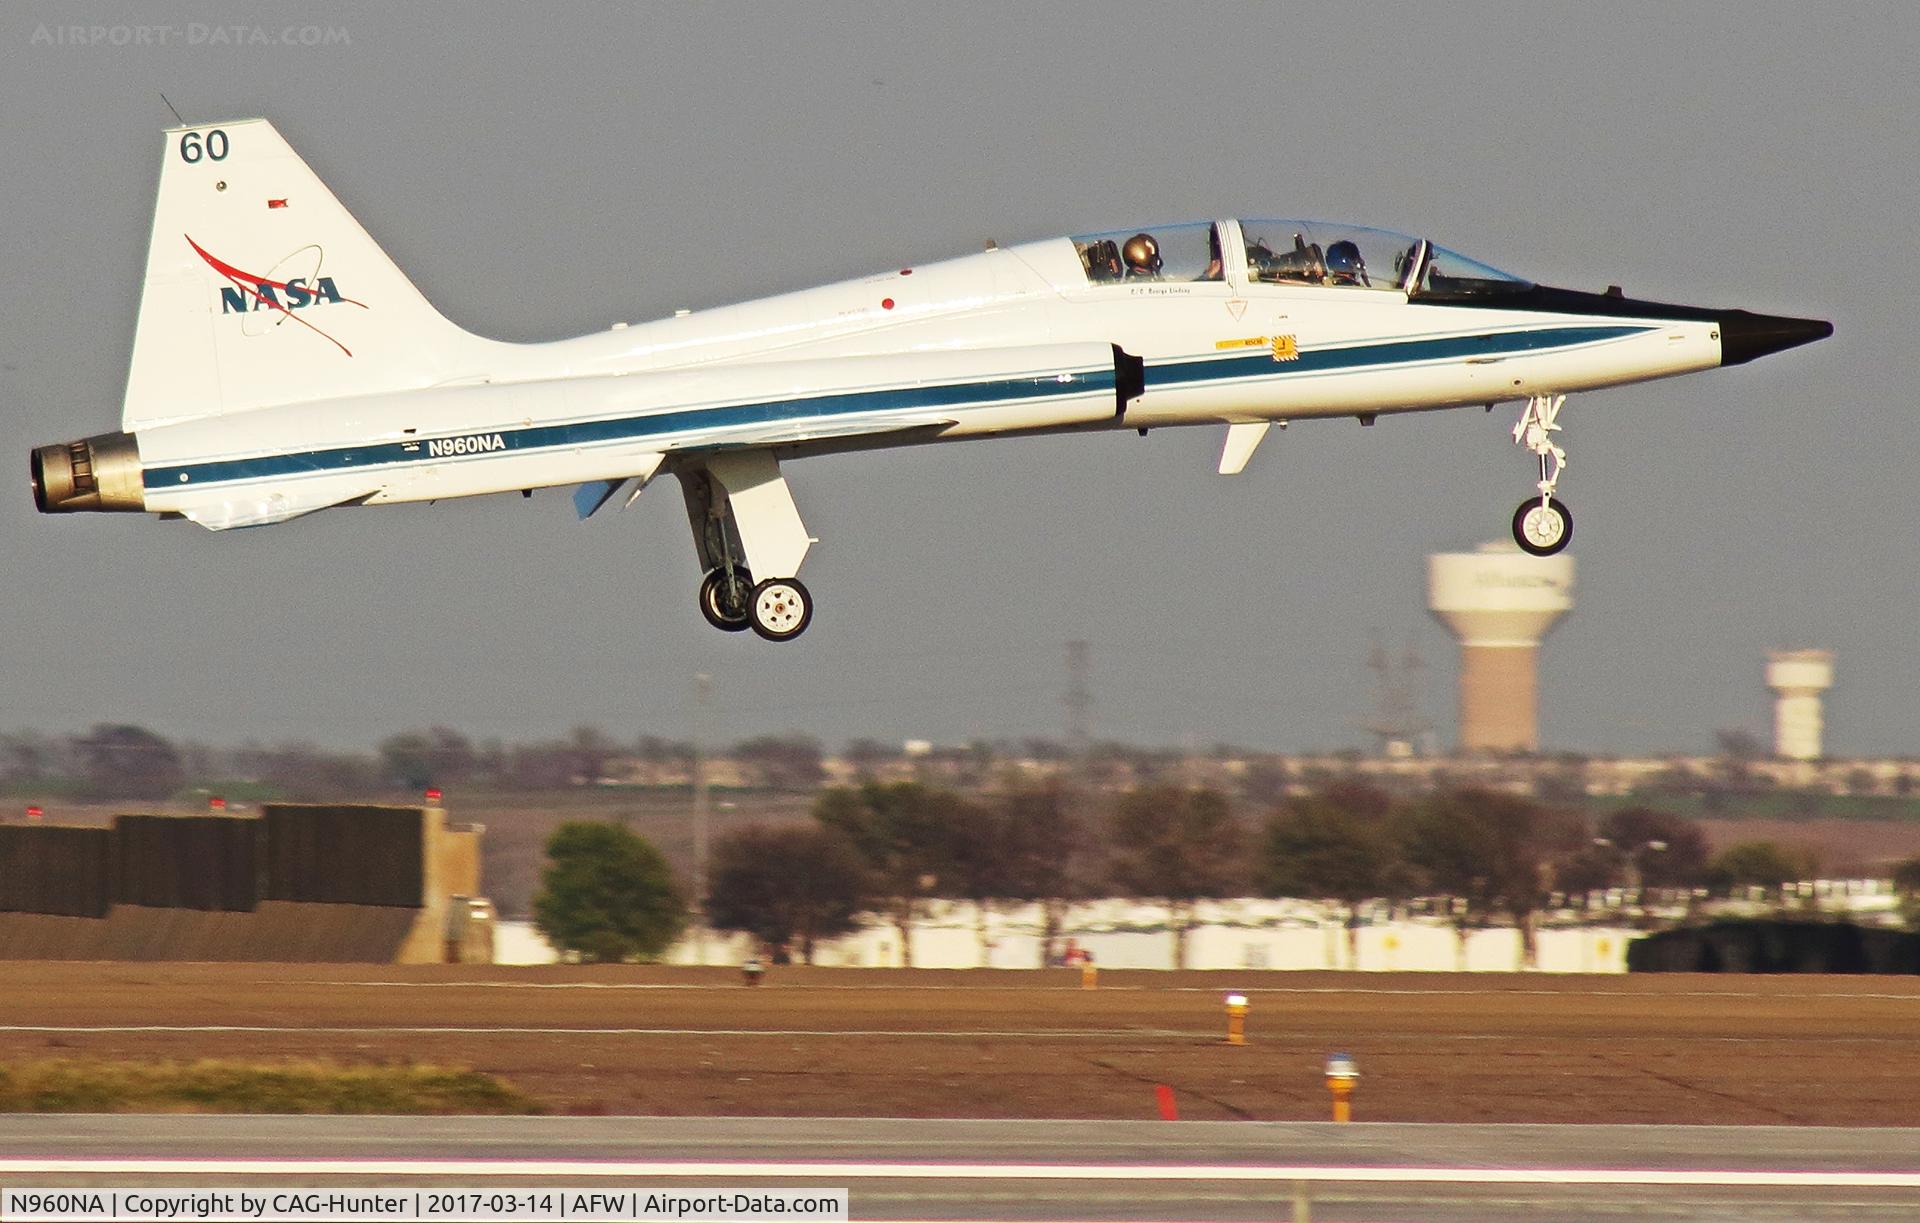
x: 1345, y: 264
x: 1142, y: 253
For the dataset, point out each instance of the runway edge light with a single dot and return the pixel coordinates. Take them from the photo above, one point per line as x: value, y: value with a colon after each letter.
x: 1341, y: 1073
x: 1236, y: 1019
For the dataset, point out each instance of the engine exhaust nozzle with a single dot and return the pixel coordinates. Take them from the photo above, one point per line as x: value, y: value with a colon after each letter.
x: 99, y: 474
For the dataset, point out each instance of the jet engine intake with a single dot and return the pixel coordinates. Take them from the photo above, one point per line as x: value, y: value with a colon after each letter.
x: 100, y: 474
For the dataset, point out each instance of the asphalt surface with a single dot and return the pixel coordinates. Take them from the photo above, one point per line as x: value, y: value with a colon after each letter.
x: 1035, y: 1170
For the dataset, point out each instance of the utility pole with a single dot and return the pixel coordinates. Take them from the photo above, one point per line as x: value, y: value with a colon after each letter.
x: 702, y: 804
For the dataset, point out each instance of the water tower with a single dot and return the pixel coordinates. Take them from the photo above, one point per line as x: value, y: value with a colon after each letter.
x: 1797, y: 678
x: 1499, y: 602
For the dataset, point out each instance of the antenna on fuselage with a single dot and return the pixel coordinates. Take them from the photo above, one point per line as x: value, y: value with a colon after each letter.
x: 176, y: 112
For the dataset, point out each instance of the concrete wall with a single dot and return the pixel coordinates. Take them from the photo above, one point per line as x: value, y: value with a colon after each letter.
x: 188, y: 861
x: 298, y: 883
x: 55, y: 870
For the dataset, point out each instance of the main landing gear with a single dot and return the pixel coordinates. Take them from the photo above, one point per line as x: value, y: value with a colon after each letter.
x: 1542, y: 525
x: 744, y: 522
x: 778, y: 609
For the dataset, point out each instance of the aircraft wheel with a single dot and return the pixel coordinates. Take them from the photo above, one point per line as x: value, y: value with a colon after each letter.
x: 1542, y: 529
x: 781, y: 609
x: 725, y: 603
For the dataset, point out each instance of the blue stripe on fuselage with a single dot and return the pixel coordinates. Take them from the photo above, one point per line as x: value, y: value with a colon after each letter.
x: 1350, y: 358
x: 1371, y: 356
x: 632, y: 428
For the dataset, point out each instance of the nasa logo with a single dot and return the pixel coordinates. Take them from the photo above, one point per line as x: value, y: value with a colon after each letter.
x: 246, y: 293
x: 265, y: 295
x: 475, y: 443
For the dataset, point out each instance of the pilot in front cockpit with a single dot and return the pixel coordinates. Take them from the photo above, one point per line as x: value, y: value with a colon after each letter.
x: 1142, y: 254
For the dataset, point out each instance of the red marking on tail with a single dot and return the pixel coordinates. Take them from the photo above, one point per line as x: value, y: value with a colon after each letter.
x: 1169, y: 1111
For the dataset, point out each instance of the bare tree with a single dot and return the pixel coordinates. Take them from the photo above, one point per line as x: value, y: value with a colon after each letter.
x: 904, y: 833
x: 1179, y: 846
x: 788, y: 887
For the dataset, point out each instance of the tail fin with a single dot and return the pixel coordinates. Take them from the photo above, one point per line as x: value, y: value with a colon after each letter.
x: 261, y: 289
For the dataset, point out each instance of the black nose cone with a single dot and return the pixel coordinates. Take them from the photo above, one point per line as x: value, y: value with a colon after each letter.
x: 1745, y: 335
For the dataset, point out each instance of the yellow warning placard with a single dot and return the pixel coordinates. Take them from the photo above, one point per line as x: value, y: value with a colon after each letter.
x: 1258, y: 341
x: 1285, y: 348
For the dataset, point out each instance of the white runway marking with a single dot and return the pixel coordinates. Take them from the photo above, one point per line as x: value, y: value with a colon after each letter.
x: 857, y: 1171
x: 1385, y: 991
x: 1208, y: 1035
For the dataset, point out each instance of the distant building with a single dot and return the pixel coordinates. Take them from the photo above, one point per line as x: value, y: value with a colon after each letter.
x: 1797, y: 678
x: 1499, y: 602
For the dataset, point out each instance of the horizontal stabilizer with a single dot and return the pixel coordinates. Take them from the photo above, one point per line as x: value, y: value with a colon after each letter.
x: 588, y: 498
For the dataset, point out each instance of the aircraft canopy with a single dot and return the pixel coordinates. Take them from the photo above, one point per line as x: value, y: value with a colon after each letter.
x: 1290, y: 252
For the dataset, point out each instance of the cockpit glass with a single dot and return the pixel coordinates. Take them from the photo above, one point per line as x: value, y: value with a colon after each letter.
x: 1326, y: 253
x: 1189, y: 252
x: 1356, y: 256
x: 1451, y: 274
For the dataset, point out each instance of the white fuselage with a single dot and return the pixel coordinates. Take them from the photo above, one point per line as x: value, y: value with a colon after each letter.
x: 1007, y: 341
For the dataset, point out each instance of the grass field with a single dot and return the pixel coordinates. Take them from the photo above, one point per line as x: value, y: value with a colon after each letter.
x: 210, y: 1085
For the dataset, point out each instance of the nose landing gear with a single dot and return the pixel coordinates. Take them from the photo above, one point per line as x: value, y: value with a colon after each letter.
x: 1542, y: 525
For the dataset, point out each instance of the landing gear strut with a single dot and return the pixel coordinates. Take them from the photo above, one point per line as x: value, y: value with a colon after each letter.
x: 1542, y: 525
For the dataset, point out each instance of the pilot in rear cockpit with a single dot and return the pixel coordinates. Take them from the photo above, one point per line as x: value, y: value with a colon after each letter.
x: 1142, y: 254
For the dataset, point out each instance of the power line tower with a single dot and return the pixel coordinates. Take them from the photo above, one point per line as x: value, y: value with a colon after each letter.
x: 1078, y: 699
x: 1396, y: 720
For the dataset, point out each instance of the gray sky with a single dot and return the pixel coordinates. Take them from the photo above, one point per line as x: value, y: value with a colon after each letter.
x: 544, y: 171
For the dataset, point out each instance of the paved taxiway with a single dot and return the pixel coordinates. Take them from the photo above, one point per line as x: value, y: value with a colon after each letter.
x: 1030, y: 1170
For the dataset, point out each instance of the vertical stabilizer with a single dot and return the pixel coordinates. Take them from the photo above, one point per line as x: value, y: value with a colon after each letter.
x: 262, y: 289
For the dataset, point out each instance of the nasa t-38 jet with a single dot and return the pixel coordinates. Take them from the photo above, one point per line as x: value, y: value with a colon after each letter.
x: 282, y: 364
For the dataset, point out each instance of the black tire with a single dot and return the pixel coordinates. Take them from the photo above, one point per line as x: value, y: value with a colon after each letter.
x: 781, y: 609
x: 1537, y: 541
x: 729, y: 615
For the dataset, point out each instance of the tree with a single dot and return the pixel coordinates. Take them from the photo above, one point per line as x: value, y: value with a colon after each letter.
x: 130, y: 762
x: 1023, y: 846
x: 1179, y: 846
x: 1496, y: 852
x: 1047, y: 858
x: 591, y: 751
x: 1906, y: 882
x: 1335, y: 845
x: 1664, y: 850
x: 1765, y: 864
x: 904, y: 834
x: 439, y: 757
x: 608, y: 895
x: 1906, y: 876
x: 784, y: 762
x: 787, y: 887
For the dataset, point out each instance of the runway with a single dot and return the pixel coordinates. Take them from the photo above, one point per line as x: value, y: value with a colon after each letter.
x: 1036, y: 1170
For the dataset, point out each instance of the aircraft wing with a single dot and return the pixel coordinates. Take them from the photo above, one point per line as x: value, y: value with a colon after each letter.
x: 802, y: 431
x: 259, y: 511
